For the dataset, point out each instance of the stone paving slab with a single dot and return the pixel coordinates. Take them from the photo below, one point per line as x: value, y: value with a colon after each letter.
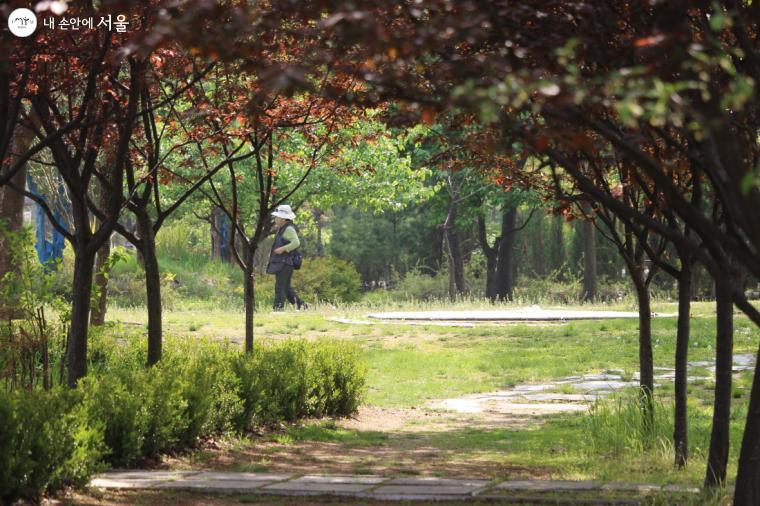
x: 361, y: 486
x: 425, y: 490
x: 351, y: 480
x: 125, y: 483
x: 306, y: 488
x: 463, y: 482
x: 269, y: 477
x: 547, y: 485
x: 227, y: 486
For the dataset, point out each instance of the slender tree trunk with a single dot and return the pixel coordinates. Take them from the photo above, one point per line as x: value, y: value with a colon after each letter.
x: 249, y: 297
x: 98, y: 313
x: 504, y: 269
x: 152, y: 286
x: 491, y: 254
x: 646, y: 360
x: 680, y: 429
x: 747, y: 492
x: 538, y: 249
x: 589, y: 260
x: 216, y: 236
x: 84, y: 264
x: 717, y: 459
x: 456, y: 263
x: 559, y: 247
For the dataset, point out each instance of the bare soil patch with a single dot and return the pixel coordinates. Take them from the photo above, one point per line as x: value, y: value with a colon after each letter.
x: 391, y: 442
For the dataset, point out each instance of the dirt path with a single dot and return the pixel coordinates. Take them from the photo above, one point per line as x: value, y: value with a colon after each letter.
x: 381, y: 441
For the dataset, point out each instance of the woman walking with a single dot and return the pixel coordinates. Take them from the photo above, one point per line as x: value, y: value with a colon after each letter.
x: 285, y: 244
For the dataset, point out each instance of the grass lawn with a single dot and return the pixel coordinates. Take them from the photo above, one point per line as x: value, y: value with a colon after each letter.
x: 408, y: 366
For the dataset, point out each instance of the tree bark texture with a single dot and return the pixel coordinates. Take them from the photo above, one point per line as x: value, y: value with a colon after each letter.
x: 681, y: 428
x: 717, y: 459
x: 84, y: 264
x: 589, y: 261
x: 504, y: 268
x: 646, y: 360
x: 747, y: 492
x: 98, y: 313
x: 152, y: 286
x: 454, y: 252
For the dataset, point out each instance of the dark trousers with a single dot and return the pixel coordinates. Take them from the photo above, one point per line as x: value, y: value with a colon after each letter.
x: 282, y: 289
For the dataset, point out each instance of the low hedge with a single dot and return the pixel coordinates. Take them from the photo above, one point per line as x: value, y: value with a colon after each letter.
x: 122, y: 414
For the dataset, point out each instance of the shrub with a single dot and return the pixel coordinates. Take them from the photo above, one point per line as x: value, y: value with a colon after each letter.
x: 123, y: 413
x: 46, y: 443
x: 294, y: 379
x: 117, y: 401
x: 328, y: 279
x: 417, y: 285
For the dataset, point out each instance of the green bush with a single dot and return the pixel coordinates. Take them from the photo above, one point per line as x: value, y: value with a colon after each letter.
x: 123, y: 413
x: 417, y: 285
x: 295, y: 379
x: 117, y: 401
x: 46, y: 443
x: 325, y: 279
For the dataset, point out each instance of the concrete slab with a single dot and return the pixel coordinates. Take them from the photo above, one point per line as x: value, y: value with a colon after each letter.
x: 291, y: 487
x: 425, y: 490
x: 462, y: 405
x: 126, y: 483
x: 146, y: 475
x: 431, y: 480
x: 217, y: 486
x: 437, y: 323
x: 562, y: 397
x: 537, y: 408
x: 744, y: 359
x: 523, y: 314
x: 356, y: 480
x: 641, y: 488
x: 222, y: 476
x: 547, y: 485
x: 603, y: 385
x: 534, y: 388
x: 680, y: 489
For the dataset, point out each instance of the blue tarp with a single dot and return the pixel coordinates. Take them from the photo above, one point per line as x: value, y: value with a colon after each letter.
x: 49, y: 252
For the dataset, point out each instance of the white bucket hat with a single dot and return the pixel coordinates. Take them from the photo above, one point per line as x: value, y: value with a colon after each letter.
x: 284, y: 211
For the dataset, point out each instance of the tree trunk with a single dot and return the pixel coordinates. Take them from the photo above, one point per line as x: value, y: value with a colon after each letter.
x: 454, y: 251
x: 491, y: 254
x: 646, y: 360
x: 717, y: 460
x: 747, y: 492
x: 504, y: 271
x: 589, y: 261
x: 12, y: 206
x: 558, y: 262
x: 98, y: 314
x: 680, y: 429
x: 84, y: 264
x: 249, y: 296
x: 152, y: 286
x: 216, y: 236
x: 538, y: 248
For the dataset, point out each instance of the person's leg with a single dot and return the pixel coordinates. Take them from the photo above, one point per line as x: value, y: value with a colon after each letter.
x: 281, y: 284
x: 294, y: 299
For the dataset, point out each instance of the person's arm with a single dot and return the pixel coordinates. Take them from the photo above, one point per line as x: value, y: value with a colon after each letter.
x: 291, y: 236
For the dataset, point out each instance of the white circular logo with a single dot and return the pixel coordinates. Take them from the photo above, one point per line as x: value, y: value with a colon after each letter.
x: 22, y: 22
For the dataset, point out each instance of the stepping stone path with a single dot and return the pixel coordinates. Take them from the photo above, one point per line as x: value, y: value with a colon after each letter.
x: 545, y: 399
x: 368, y: 487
